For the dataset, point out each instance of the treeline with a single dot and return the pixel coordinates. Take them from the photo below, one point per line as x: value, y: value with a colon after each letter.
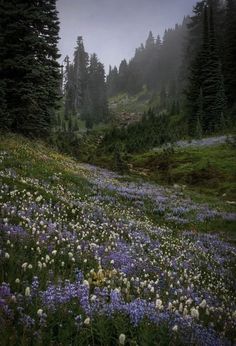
x: 38, y: 97
x: 29, y: 71
x: 84, y: 90
x: 191, y: 71
x: 155, y: 64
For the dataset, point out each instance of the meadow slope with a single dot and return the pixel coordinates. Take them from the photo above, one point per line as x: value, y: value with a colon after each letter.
x: 88, y: 257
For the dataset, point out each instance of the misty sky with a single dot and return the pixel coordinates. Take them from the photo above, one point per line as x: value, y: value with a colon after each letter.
x: 114, y: 28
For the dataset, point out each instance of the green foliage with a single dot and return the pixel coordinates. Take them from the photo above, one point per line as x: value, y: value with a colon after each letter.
x: 229, y: 66
x: 30, y: 75
x: 119, y: 162
x: 85, y: 88
x: 210, y: 170
x: 206, y: 92
x: 153, y: 131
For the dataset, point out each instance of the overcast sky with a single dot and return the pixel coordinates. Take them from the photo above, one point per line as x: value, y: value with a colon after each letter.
x: 114, y: 28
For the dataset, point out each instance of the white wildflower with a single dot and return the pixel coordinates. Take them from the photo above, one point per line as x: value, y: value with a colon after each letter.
x: 159, y: 304
x: 87, y: 321
x: 85, y: 283
x: 203, y: 304
x: 27, y: 291
x: 40, y: 312
x: 122, y: 338
x: 175, y: 328
x: 195, y: 313
x: 39, y: 198
x: 13, y: 299
x: 47, y: 258
x: 181, y: 307
x: 189, y: 301
x: 24, y: 266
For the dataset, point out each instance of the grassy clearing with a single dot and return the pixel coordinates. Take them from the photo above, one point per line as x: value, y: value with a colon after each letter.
x: 211, y: 171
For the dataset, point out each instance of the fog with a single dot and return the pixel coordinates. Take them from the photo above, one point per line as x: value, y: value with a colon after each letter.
x: 114, y: 28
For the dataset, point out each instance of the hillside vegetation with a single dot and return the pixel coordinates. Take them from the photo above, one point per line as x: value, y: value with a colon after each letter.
x: 91, y: 257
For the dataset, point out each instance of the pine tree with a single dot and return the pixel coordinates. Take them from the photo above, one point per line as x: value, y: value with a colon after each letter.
x: 229, y: 66
x: 96, y: 107
x: 213, y: 86
x: 81, y: 61
x: 158, y: 42
x: 29, y: 72
x: 69, y: 89
x: 194, y: 92
x: 123, y: 75
x: 113, y: 81
x: 200, y: 116
x: 150, y: 42
x: 206, y: 94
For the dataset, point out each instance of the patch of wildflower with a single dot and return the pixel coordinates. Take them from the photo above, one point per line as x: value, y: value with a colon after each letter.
x: 79, y: 253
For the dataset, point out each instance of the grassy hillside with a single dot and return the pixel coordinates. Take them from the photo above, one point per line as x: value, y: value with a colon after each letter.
x: 138, y: 103
x: 89, y: 257
x: 207, y: 169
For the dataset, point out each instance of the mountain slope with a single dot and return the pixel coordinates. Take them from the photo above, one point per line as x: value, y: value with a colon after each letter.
x: 90, y: 257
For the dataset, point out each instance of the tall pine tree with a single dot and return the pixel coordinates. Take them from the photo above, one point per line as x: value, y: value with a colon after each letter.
x: 230, y: 53
x: 29, y: 74
x: 81, y: 61
x: 205, y: 95
x: 213, y: 86
x: 96, y: 102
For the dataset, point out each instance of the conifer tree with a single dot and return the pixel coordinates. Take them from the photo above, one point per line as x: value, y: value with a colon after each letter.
x: 123, y: 75
x: 96, y: 107
x: 81, y: 61
x: 29, y: 73
x: 69, y: 89
x: 113, y: 81
x: 206, y: 96
x: 150, y: 43
x: 213, y: 86
x: 229, y: 67
x: 199, y: 61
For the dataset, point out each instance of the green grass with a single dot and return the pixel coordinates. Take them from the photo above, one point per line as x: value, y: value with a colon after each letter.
x: 37, y: 160
x: 209, y: 170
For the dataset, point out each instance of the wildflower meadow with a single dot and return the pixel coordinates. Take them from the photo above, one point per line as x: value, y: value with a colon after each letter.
x: 88, y: 257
